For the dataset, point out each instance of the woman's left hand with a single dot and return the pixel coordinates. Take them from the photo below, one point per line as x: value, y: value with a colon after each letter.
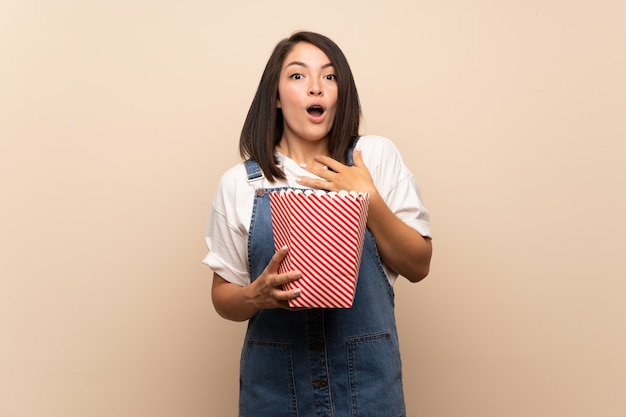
x: 337, y: 176
x: 400, y: 247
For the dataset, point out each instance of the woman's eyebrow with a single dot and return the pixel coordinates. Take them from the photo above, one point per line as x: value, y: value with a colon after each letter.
x: 302, y: 64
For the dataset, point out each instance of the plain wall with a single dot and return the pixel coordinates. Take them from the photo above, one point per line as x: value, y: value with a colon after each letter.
x: 118, y: 117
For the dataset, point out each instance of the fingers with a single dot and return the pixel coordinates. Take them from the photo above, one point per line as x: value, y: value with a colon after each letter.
x: 281, y: 279
x: 276, y: 259
x: 329, y: 162
x: 283, y: 297
x: 336, y: 176
x: 317, y: 184
x: 275, y: 280
x: 357, y: 156
x: 325, y: 168
x: 288, y: 295
x: 273, y: 265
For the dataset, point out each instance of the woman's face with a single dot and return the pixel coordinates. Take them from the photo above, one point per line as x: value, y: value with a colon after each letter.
x: 307, y: 94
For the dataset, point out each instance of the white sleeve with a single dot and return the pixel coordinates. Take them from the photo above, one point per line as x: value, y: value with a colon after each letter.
x: 227, y: 231
x: 406, y: 202
x: 395, y: 182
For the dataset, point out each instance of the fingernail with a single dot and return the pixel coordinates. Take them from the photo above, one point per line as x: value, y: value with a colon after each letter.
x: 297, y: 292
x: 284, y: 248
x: 303, y: 165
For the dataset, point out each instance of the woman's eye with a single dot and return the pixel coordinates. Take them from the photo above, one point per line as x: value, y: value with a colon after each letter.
x: 296, y: 76
x: 331, y: 77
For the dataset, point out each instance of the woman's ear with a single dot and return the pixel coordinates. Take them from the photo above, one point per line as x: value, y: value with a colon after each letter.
x: 278, y: 105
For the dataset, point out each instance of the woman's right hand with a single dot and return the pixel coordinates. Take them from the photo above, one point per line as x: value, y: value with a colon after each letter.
x: 238, y: 303
x: 267, y: 290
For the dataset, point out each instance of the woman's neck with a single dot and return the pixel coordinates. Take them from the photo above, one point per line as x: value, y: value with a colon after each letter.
x: 303, y: 153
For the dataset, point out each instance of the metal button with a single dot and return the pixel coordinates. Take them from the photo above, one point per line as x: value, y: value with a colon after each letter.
x: 260, y: 192
x: 321, y: 382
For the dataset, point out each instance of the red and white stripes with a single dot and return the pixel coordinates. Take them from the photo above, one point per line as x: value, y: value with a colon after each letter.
x: 324, y: 232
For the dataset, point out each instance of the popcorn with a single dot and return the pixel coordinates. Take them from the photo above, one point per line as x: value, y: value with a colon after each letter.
x: 324, y: 232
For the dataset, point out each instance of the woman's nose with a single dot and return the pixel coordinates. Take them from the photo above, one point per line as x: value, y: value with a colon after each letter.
x: 315, y: 90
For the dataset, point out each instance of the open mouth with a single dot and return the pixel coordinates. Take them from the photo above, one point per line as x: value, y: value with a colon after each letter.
x: 315, y: 110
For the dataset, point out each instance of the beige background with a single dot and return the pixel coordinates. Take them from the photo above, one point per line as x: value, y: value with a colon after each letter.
x: 117, y: 118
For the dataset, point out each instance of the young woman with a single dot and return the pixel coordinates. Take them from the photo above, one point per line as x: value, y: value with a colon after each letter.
x: 302, y: 131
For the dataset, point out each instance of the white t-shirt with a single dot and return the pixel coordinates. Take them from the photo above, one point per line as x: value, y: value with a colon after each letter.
x: 231, y: 211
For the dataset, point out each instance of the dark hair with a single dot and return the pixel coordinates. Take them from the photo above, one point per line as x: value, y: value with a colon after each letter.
x: 263, y: 127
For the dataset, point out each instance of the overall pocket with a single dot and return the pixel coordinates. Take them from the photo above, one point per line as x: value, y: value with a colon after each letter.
x: 267, y: 386
x: 375, y: 376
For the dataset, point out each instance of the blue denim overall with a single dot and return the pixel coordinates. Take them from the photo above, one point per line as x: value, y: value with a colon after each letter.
x: 320, y: 362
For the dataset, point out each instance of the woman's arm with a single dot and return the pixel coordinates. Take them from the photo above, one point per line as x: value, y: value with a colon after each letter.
x: 400, y: 247
x: 238, y: 303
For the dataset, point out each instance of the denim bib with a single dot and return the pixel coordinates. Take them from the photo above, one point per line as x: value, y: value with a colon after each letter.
x: 320, y: 362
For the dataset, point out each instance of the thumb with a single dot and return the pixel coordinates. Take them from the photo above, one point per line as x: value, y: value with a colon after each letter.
x: 357, y: 156
x: 276, y: 259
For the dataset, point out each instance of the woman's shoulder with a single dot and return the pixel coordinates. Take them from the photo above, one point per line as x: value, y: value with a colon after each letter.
x: 233, y: 183
x: 235, y: 174
x: 376, y: 142
x: 376, y: 147
x: 233, y: 192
